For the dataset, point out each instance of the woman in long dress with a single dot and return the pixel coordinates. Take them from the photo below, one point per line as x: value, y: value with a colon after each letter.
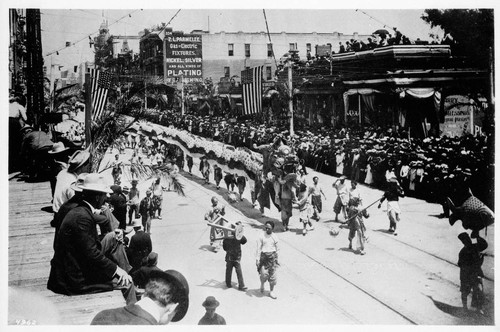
x: 339, y: 158
x: 369, y: 175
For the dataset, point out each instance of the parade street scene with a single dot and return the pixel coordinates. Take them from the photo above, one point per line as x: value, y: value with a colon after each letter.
x: 281, y: 167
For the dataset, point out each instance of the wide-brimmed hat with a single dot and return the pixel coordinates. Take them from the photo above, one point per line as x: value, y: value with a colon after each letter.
x: 136, y: 223
x: 181, y: 295
x: 75, y: 186
x: 78, y: 159
x: 210, y: 302
x: 95, y: 182
x: 57, y: 148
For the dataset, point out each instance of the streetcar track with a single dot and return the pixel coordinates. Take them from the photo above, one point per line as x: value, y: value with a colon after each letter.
x: 352, y: 284
x: 421, y: 250
x: 327, y: 299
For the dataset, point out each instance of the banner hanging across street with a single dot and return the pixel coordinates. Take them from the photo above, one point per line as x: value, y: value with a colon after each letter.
x: 251, y: 80
x: 183, y: 58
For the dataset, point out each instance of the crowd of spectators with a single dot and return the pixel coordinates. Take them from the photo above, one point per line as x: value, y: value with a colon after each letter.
x: 427, y: 168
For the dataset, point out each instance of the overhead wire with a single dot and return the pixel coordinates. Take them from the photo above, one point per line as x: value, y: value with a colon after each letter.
x: 269, y: 36
x: 109, y: 18
x: 88, y: 35
x: 384, y: 24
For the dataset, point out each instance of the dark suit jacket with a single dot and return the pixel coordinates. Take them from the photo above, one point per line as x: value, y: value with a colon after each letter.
x: 129, y: 315
x: 78, y: 265
x: 140, y: 246
x: 146, y: 206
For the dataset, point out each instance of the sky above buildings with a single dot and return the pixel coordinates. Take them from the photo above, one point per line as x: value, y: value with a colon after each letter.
x: 60, y: 26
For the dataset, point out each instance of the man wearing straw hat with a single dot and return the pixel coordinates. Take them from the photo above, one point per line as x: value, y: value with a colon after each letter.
x: 59, y: 153
x: 78, y: 265
x: 77, y: 164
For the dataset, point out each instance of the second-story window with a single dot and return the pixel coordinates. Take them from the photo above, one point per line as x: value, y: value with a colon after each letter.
x: 230, y: 49
x: 247, y: 50
x: 293, y: 46
x: 269, y: 50
x: 269, y: 73
x: 308, y: 47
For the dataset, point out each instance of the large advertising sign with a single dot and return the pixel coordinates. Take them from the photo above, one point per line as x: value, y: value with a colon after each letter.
x: 458, y: 118
x: 183, y: 57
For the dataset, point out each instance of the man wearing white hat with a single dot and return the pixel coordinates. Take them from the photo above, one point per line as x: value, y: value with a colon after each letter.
x: 59, y: 153
x: 78, y: 265
x: 77, y: 164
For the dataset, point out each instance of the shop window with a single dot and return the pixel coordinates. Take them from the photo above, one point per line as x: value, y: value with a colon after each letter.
x: 227, y: 72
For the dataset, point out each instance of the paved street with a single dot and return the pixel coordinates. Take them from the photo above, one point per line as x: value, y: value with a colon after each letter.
x: 411, y: 278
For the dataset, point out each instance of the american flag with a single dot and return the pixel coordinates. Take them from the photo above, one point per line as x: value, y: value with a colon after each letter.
x: 251, y: 80
x: 100, y: 83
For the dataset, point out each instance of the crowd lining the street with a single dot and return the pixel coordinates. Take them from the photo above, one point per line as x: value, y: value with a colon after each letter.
x: 118, y: 257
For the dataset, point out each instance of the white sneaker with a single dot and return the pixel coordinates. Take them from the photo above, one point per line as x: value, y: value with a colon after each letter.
x: 272, y: 295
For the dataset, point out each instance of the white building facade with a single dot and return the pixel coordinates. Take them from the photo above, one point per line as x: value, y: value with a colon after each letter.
x: 226, y: 54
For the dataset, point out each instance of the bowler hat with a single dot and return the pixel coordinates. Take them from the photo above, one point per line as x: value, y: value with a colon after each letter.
x: 95, y: 182
x: 181, y: 294
x: 57, y: 148
x: 210, y: 303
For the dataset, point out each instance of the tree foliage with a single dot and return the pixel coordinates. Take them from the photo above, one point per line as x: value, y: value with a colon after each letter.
x: 472, y: 31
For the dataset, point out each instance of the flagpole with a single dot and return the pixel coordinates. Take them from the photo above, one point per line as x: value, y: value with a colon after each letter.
x: 88, y: 110
x: 290, y: 102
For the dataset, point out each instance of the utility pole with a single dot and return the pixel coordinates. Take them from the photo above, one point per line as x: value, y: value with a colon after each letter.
x: 145, y: 97
x: 290, y: 102
x: 182, y: 95
x: 34, y: 74
x: 492, y: 78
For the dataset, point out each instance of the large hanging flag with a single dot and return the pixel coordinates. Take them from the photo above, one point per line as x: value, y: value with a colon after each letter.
x: 251, y: 80
x: 100, y: 83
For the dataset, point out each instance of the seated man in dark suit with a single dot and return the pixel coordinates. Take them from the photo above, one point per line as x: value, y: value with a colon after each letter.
x: 140, y: 246
x: 78, y: 265
x: 141, y: 276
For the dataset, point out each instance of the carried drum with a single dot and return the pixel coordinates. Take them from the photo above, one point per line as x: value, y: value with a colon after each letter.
x: 224, y: 229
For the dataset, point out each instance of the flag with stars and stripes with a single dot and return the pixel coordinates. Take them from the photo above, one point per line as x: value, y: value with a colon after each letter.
x: 100, y: 83
x: 251, y: 80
